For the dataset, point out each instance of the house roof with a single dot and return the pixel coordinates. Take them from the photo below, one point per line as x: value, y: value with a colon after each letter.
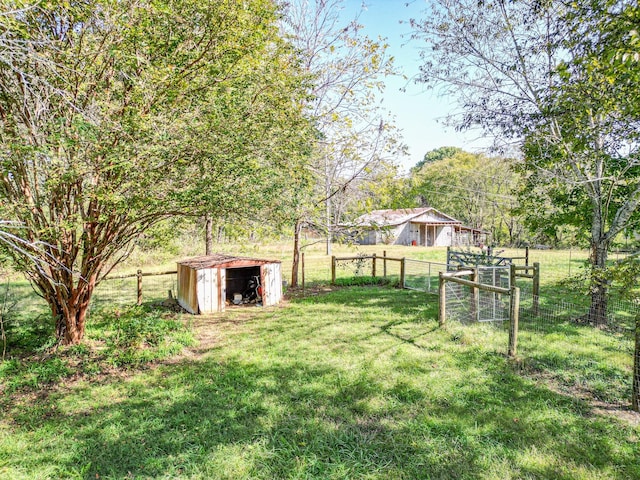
x: 473, y: 230
x: 396, y: 217
x: 222, y: 260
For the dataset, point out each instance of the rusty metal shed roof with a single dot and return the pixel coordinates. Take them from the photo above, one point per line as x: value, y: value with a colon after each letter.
x: 222, y: 260
x: 402, y: 215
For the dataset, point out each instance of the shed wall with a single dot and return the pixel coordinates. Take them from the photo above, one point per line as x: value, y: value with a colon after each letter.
x: 187, y: 289
x: 368, y: 237
x: 211, y: 288
x: 444, y: 236
x: 204, y: 290
x: 404, y: 234
x: 272, y: 287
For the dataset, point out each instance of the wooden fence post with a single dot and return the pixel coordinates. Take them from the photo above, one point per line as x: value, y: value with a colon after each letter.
x: 139, y: 275
x: 402, y: 271
x: 512, y: 275
x: 384, y: 263
x: 442, y: 303
x: 475, y: 296
x: 514, y: 312
x: 333, y: 270
x: 373, y: 266
x: 536, y: 288
x: 526, y: 256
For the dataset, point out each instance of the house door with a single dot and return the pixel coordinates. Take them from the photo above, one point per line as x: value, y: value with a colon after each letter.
x: 423, y: 235
x: 430, y: 237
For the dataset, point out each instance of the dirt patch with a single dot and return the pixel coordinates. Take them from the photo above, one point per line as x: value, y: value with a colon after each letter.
x: 312, y: 291
x: 210, y: 330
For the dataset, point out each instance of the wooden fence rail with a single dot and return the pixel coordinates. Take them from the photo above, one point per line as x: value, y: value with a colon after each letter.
x: 139, y: 274
x: 535, y: 277
x: 514, y: 301
x: 374, y: 268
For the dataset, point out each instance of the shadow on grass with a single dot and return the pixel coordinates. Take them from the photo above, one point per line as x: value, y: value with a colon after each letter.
x: 407, y: 302
x: 234, y: 420
x: 247, y: 413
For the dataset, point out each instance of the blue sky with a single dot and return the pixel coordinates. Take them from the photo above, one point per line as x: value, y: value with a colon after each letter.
x: 419, y: 113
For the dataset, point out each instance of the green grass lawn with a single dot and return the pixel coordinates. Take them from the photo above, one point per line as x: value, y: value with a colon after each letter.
x: 355, y: 383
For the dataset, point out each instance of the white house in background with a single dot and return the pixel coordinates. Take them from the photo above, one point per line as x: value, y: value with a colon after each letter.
x: 426, y: 227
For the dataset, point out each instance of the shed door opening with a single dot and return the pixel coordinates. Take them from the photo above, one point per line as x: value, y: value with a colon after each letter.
x: 238, y: 282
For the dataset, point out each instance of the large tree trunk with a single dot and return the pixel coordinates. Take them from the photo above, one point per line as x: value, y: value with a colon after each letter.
x: 598, y: 283
x: 296, y: 254
x: 70, y: 312
x: 70, y: 328
x: 208, y: 234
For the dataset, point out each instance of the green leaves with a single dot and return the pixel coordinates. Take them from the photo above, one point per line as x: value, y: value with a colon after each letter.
x: 115, y: 114
x: 473, y: 188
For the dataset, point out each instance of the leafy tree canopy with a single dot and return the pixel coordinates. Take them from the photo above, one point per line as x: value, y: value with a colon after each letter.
x: 435, y: 155
x: 556, y: 79
x: 104, y: 112
x: 474, y: 188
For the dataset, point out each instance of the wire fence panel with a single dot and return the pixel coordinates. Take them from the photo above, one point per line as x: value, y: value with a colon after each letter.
x: 620, y: 317
x: 459, y: 303
x: 493, y: 307
x: 560, y: 322
x: 559, y: 341
x: 367, y: 268
x: 358, y: 267
x: 389, y: 269
x: 422, y: 275
x: 467, y: 305
x: 19, y: 296
x: 115, y: 291
x: 495, y: 276
x: 463, y: 310
x: 124, y: 291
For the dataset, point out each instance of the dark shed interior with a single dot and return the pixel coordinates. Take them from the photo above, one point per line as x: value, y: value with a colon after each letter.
x: 238, y: 279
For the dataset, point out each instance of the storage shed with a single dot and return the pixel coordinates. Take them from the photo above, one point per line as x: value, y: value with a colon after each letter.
x: 207, y: 284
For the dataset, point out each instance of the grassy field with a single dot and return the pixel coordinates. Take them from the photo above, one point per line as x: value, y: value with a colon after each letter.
x: 556, y: 264
x: 343, y: 383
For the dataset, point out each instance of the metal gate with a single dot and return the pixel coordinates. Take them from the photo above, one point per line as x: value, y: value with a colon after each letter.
x: 468, y: 305
x: 493, y: 307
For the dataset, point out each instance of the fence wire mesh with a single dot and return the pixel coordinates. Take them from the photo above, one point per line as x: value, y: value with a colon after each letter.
x: 389, y: 269
x: 120, y: 292
x: 124, y: 291
x: 466, y: 306
x: 422, y: 275
x: 563, y: 320
x: 593, y: 357
x: 484, y: 307
x: 558, y: 341
x: 459, y: 303
x: 491, y: 306
x: 361, y: 269
x: 541, y: 316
